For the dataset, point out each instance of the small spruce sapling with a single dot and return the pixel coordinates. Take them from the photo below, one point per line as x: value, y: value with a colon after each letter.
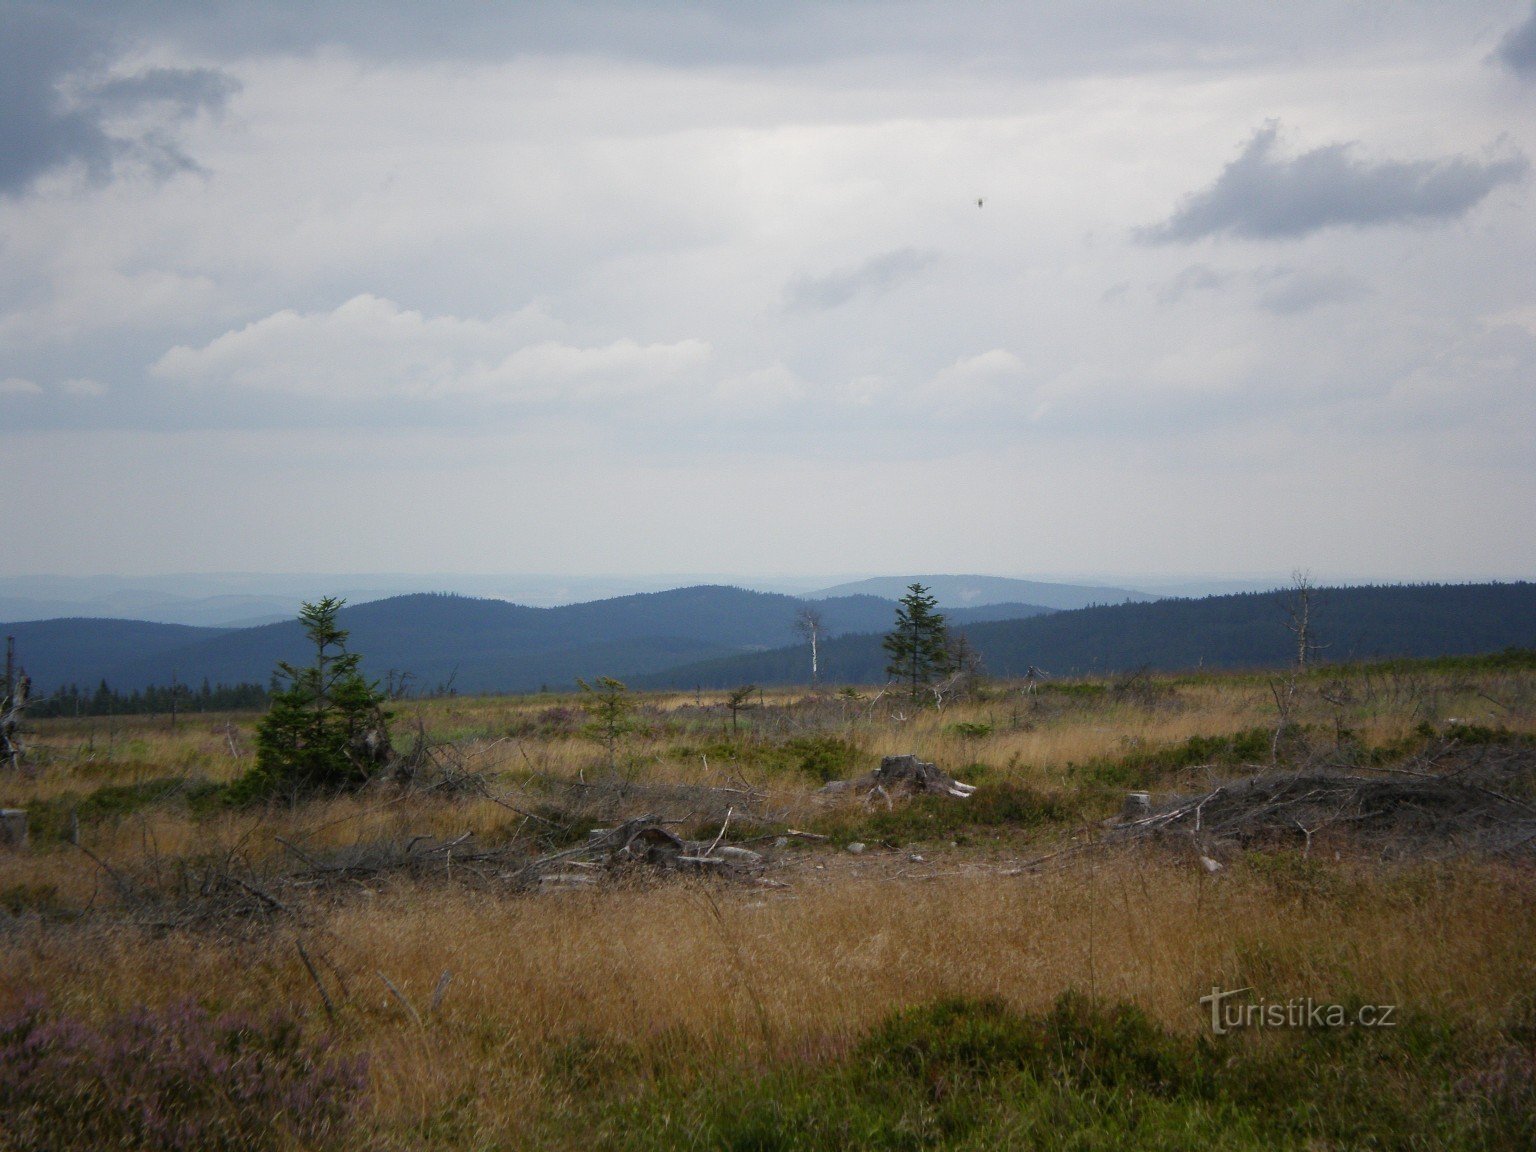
x: 326, y: 729
x: 609, y: 704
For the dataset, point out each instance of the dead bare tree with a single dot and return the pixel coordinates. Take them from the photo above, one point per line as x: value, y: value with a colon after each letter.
x: 808, y: 624
x: 18, y: 687
x: 1299, y: 601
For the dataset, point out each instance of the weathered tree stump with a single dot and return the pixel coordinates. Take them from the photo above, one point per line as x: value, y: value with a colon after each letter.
x: 903, y: 775
x: 13, y: 827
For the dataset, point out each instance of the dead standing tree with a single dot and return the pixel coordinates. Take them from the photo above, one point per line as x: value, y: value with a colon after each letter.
x: 1299, y: 602
x: 18, y: 686
x: 809, y: 626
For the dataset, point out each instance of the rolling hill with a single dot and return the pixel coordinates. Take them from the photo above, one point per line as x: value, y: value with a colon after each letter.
x: 1244, y: 630
x: 475, y: 645
x: 719, y: 636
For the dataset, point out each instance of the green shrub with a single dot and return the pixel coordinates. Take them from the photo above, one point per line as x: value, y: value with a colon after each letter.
x: 926, y: 818
x: 971, y: 729
x: 822, y: 758
x: 1139, y: 769
x: 977, y: 1074
x: 51, y: 820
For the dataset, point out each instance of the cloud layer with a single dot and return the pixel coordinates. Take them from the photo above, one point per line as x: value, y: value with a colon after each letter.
x: 705, y: 286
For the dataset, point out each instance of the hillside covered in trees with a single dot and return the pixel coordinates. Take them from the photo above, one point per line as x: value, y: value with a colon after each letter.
x: 1245, y: 630
x: 714, y: 636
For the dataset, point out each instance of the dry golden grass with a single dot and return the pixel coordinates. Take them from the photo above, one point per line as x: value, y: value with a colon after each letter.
x: 692, y: 969
x: 771, y: 976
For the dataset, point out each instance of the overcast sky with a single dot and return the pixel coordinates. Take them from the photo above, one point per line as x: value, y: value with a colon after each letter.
x: 780, y: 287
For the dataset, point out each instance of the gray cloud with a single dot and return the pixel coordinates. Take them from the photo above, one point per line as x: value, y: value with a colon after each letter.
x: 37, y: 131
x: 1293, y: 293
x: 1281, y: 290
x: 43, y: 127
x: 186, y: 91
x: 1195, y: 278
x: 877, y: 274
x: 1517, y: 50
x: 1050, y: 39
x: 1262, y: 196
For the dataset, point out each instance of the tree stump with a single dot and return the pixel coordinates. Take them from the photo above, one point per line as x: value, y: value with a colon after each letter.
x: 13, y: 827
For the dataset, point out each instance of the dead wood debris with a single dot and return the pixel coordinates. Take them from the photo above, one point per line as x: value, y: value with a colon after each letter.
x: 641, y: 842
x: 1475, y: 801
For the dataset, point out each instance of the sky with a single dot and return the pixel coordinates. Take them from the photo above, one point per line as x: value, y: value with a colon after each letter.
x: 1086, y: 287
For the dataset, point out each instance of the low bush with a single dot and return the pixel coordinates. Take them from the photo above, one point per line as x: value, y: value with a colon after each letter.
x: 51, y: 820
x: 978, y: 1074
x: 971, y: 729
x: 925, y: 818
x: 1138, y: 768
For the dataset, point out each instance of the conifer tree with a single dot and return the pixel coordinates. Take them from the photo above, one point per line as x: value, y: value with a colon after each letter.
x: 326, y: 729
x: 919, y: 644
x: 609, y: 705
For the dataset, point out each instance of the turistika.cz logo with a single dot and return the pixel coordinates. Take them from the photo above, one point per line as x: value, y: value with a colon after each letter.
x: 1228, y: 1015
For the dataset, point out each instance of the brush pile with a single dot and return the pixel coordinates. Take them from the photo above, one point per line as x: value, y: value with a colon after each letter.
x: 641, y: 843
x: 1479, y: 800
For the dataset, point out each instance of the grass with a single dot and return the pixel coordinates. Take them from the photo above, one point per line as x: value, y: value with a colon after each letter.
x: 875, y: 1001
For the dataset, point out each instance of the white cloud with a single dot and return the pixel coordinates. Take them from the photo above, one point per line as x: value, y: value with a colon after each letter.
x: 16, y: 386
x: 988, y: 382
x: 370, y: 348
x: 82, y: 386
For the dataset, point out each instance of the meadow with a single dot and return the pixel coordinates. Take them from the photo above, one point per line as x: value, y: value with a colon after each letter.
x: 997, y: 972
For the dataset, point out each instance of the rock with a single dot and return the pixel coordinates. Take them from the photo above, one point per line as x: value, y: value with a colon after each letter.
x: 856, y: 847
x: 1212, y: 866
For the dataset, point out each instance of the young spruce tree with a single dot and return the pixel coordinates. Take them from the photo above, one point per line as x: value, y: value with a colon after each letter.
x: 919, y: 645
x: 326, y: 729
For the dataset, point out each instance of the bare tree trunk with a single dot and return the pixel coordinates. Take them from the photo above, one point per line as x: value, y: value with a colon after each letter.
x: 18, y: 686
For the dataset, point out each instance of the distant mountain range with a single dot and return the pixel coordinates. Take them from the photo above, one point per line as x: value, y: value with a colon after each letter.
x: 972, y: 591
x: 243, y: 600
x: 475, y: 645
x: 720, y: 636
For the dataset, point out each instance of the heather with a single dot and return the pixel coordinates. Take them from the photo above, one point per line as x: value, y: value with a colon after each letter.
x: 176, y: 1077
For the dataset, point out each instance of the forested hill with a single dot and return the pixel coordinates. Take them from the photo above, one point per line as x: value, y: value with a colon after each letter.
x: 59, y: 652
x: 474, y: 645
x: 1246, y: 630
x: 723, y: 637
